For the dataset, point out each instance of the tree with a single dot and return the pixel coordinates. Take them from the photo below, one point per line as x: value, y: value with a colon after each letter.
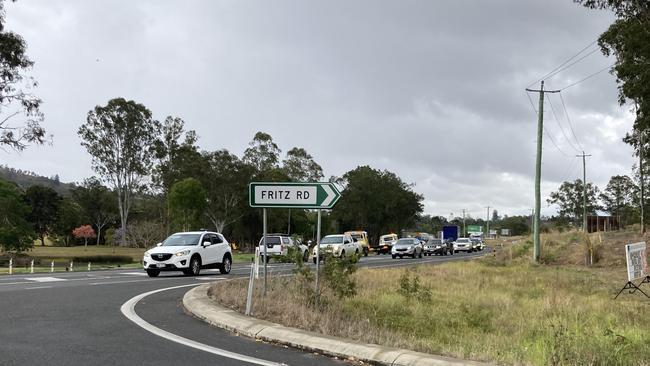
x: 145, y: 234
x: 69, y: 217
x: 97, y: 204
x: 262, y: 153
x: 619, y: 197
x: 187, y: 202
x: 16, y: 98
x: 16, y: 233
x: 120, y: 138
x: 301, y: 167
x: 569, y: 198
x: 495, y: 215
x: 44, y: 203
x: 377, y: 201
x: 226, y: 181
x: 86, y: 232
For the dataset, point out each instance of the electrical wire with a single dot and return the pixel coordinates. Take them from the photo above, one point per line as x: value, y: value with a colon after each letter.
x: 588, y: 77
x: 566, y: 112
x: 556, y: 70
x: 554, y: 143
x: 557, y: 120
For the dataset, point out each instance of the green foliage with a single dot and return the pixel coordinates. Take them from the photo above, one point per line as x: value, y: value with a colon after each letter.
x: 70, y: 216
x: 569, y: 198
x: 262, y: 153
x: 16, y: 233
x: 620, y: 198
x: 377, y: 201
x: 96, y: 203
x: 337, y: 275
x: 411, y: 288
x: 16, y: 98
x: 301, y: 167
x: 187, y: 202
x: 44, y: 203
x: 25, y: 179
x: 120, y: 137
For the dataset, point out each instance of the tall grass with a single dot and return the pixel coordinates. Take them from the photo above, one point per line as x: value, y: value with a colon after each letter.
x: 501, y: 310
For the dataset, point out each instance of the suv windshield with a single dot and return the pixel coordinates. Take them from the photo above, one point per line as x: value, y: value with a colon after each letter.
x: 332, y: 240
x: 435, y: 241
x: 462, y: 240
x: 179, y: 240
x: 406, y: 241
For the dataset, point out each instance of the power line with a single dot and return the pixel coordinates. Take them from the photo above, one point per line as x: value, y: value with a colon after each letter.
x: 588, y: 77
x: 566, y: 112
x: 554, y: 143
x: 557, y: 120
x: 564, y: 63
x: 573, y: 63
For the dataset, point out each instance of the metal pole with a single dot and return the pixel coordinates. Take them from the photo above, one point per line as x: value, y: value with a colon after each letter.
x: 538, y: 176
x: 487, y: 230
x: 464, y: 231
x: 249, y: 297
x: 266, y: 259
x: 317, y: 251
x: 642, y: 183
x: 584, y: 194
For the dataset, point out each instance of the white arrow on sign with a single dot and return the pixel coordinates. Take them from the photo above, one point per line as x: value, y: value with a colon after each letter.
x: 330, y: 196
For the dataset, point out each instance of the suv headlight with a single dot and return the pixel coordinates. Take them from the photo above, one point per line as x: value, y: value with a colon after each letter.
x: 147, y: 254
x: 183, y: 253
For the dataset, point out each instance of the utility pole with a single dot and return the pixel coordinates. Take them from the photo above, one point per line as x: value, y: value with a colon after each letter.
x: 487, y: 230
x: 538, y: 169
x: 584, y: 190
x: 464, y: 231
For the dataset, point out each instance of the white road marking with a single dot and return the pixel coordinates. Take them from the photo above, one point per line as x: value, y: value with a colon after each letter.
x: 37, y: 288
x: 133, y: 273
x: 209, y: 278
x: 115, y: 282
x: 45, y: 279
x: 128, y: 309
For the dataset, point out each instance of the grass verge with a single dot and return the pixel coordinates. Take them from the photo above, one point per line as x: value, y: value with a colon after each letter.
x: 498, y: 309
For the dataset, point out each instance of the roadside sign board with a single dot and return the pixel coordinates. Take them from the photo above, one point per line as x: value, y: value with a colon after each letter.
x: 478, y: 229
x: 637, y: 261
x: 319, y: 195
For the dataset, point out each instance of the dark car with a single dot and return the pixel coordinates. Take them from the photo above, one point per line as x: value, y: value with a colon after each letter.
x: 436, y: 247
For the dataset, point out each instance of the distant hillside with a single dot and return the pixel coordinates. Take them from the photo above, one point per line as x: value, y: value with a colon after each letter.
x: 25, y: 179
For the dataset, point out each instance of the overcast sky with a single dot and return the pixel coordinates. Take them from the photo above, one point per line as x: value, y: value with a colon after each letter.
x: 431, y: 90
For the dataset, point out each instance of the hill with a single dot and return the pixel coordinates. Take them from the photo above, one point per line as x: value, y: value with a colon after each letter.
x: 25, y: 179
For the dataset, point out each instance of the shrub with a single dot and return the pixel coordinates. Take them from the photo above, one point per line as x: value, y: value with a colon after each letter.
x: 337, y: 275
x: 411, y: 288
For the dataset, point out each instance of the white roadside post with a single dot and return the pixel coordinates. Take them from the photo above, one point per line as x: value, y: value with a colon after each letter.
x: 257, y: 263
x: 11, y: 265
x: 31, y: 267
x: 249, y: 297
x: 52, y: 267
x: 71, y: 266
x: 88, y: 266
x: 266, y: 259
x: 317, y: 253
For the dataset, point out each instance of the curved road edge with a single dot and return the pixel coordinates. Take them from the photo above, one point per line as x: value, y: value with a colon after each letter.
x: 197, y: 303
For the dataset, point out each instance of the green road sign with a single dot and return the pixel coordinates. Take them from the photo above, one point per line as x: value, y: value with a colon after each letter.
x: 474, y: 228
x: 293, y: 195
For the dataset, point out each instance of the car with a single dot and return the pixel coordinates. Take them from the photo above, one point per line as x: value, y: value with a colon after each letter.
x: 339, y: 245
x: 385, y: 243
x: 435, y: 247
x: 362, y: 238
x: 477, y: 243
x: 463, y: 245
x: 278, y: 245
x: 411, y: 247
x: 189, y: 252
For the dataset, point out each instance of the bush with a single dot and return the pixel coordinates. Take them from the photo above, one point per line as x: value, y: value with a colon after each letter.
x: 104, y: 259
x: 411, y: 288
x: 337, y: 275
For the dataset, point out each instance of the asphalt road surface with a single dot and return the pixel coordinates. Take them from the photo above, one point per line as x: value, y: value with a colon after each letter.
x: 71, y: 319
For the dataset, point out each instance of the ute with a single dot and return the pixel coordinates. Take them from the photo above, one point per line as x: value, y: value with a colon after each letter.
x: 361, y: 237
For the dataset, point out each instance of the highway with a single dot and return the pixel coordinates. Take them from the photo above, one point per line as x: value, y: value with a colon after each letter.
x: 74, y: 318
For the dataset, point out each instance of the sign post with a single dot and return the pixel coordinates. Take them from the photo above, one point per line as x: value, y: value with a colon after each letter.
x: 637, y: 267
x: 310, y: 196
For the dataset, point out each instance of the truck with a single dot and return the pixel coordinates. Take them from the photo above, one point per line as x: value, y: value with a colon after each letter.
x: 450, y: 232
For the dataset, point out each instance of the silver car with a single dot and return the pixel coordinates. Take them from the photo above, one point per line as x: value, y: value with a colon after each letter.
x: 407, y: 247
x: 463, y: 245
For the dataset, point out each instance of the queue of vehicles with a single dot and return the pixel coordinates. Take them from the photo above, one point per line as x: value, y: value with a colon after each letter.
x: 190, y: 252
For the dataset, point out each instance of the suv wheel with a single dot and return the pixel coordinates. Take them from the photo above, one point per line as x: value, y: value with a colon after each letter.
x: 153, y: 272
x: 365, y: 251
x: 226, y: 264
x: 195, y: 266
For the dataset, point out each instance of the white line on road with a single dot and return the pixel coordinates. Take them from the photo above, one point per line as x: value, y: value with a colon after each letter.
x: 37, y: 288
x: 116, y: 282
x: 128, y: 309
x: 45, y: 279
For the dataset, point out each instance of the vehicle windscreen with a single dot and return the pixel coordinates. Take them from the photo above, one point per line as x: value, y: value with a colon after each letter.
x: 357, y: 236
x: 405, y: 242
x: 388, y: 239
x: 462, y: 241
x: 179, y: 240
x: 332, y: 240
x: 271, y: 240
x: 435, y: 241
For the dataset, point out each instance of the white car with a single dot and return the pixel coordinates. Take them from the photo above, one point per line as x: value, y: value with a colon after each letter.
x: 277, y: 245
x: 339, y: 245
x: 189, y: 252
x: 463, y: 245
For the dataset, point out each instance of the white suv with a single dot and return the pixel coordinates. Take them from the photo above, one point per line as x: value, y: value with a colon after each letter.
x: 338, y: 245
x: 277, y: 245
x: 189, y: 252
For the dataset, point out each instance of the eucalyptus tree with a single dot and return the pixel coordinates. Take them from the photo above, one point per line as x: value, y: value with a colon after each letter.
x: 120, y: 137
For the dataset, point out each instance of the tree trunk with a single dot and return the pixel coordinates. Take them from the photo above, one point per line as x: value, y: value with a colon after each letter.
x: 85, y: 244
x: 42, y: 239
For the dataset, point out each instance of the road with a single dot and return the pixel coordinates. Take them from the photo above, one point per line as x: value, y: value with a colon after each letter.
x: 74, y: 318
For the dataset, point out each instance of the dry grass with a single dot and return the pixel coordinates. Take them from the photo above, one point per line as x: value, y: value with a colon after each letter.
x: 499, y: 310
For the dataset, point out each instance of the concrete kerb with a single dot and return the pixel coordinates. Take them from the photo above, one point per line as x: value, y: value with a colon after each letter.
x: 197, y: 303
